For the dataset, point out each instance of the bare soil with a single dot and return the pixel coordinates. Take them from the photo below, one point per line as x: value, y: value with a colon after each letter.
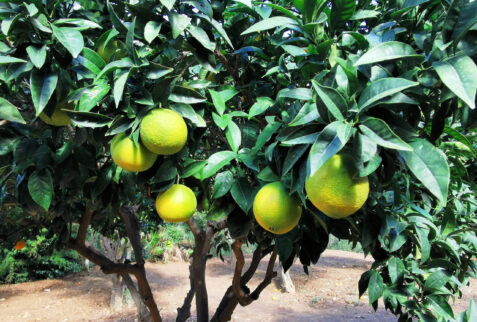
x: 329, y: 293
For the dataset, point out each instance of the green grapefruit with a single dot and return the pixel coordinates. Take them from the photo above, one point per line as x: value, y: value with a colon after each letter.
x: 131, y: 156
x: 176, y: 204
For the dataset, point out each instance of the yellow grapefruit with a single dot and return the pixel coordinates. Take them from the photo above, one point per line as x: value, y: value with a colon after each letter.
x: 334, y: 190
x: 131, y: 156
x: 59, y: 117
x: 176, y: 204
x: 163, y: 131
x: 275, y: 210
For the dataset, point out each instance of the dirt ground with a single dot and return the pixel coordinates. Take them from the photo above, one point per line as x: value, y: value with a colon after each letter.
x: 329, y: 293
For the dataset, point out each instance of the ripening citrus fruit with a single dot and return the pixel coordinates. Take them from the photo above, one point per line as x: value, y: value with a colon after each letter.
x: 59, y: 117
x: 334, y: 190
x: 20, y: 245
x: 275, y: 210
x: 131, y: 156
x: 113, y: 47
x: 163, y: 131
x: 176, y: 204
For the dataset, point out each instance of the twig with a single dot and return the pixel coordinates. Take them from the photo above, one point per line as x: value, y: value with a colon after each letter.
x: 245, y: 298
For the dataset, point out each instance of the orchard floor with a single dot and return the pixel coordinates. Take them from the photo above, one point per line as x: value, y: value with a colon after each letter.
x: 329, y: 294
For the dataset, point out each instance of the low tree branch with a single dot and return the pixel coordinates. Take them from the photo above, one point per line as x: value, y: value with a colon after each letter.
x: 183, y: 312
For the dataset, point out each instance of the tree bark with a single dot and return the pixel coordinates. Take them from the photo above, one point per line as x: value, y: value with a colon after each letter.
x: 286, y: 281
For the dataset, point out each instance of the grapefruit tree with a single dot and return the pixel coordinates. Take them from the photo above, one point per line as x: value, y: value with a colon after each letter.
x: 272, y: 97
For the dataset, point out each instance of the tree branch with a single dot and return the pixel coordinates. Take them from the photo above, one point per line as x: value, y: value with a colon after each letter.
x: 183, y: 312
x: 240, y: 291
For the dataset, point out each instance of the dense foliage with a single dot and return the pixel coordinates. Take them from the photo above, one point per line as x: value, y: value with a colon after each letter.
x: 269, y: 93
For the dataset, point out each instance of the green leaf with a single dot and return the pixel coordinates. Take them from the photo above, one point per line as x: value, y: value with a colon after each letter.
x: 334, y: 102
x: 79, y: 24
x: 329, y: 142
x: 157, y: 71
x: 202, y: 37
x: 467, y: 19
x: 364, y: 14
x: 88, y: 119
x: 458, y: 74
x: 218, y: 100
x: 178, y: 23
x: 223, y: 183
x: 70, y: 38
x: 270, y: 23
x: 293, y: 155
x: 234, y: 136
x: 396, y: 270
x: 37, y: 55
x: 90, y: 97
x: 296, y: 93
x: 40, y: 187
x: 216, y: 162
x: 380, y: 133
x: 436, y: 280
x: 91, y: 60
x: 42, y: 87
x: 168, y: 3
x: 268, y: 175
x: 117, y: 23
x: 119, y: 87
x: 152, y: 30
x: 461, y: 138
x: 242, y: 194
x: 186, y: 95
x: 218, y: 26
x: 123, y: 63
x: 441, y: 306
x: 375, y: 286
x: 10, y: 112
x: 130, y: 41
x: 185, y: 110
x: 265, y: 135
x: 341, y: 11
x: 390, y: 50
x: 11, y: 60
x: 429, y: 165
x: 262, y: 104
x: 423, y: 234
x: 307, y: 114
x: 7, y: 23
x: 381, y: 88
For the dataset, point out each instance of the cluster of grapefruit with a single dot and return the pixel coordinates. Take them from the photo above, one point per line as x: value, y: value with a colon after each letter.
x: 333, y: 189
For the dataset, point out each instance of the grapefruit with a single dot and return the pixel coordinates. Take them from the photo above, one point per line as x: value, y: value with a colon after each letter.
x: 131, y: 156
x: 59, y: 117
x: 163, y: 131
x: 113, y: 47
x: 334, y: 190
x: 176, y: 204
x: 275, y: 210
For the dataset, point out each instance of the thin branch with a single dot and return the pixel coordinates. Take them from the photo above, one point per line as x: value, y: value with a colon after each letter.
x: 243, y: 297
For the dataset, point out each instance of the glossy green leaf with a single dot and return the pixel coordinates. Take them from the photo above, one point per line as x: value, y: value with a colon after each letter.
x: 329, y: 142
x: 168, y: 3
x: 216, y: 162
x: 436, y: 280
x: 185, y: 110
x: 382, y: 88
x: 375, y: 286
x: 10, y: 112
x: 265, y: 135
x: 92, y: 96
x: 37, y: 55
x: 268, y: 175
x: 42, y: 87
x: 89, y: 119
x: 293, y: 155
x: 296, y: 93
x: 429, y: 165
x: 219, y: 101
x: 467, y: 19
x: 441, y: 306
x: 40, y: 187
x: 341, y: 11
x: 218, y: 26
x: 390, y: 50
x: 259, y: 107
x: 179, y: 23
x: 10, y: 60
x: 270, y: 23
x: 70, y: 38
x: 332, y: 99
x: 117, y: 64
x: 119, y: 87
x: 308, y: 113
x: 396, y: 270
x: 201, y: 36
x: 152, y: 30
x: 242, y: 194
x: 458, y: 74
x: 380, y: 133
x: 223, y: 183
x: 234, y: 136
x: 186, y: 95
